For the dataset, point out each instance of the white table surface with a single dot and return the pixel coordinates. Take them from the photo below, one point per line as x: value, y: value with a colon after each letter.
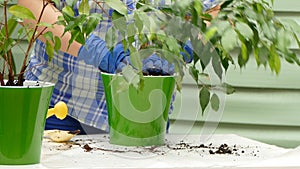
x: 246, y: 153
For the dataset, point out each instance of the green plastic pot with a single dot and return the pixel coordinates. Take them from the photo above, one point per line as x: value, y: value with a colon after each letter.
x: 138, y: 117
x: 22, y: 121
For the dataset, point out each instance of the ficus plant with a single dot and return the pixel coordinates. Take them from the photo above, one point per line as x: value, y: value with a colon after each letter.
x: 242, y: 29
x: 12, y: 35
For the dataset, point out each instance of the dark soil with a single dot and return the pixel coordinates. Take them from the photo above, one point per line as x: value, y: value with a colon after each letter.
x: 89, y: 145
x: 87, y: 148
x: 222, y: 149
x: 162, y: 150
x: 155, y: 72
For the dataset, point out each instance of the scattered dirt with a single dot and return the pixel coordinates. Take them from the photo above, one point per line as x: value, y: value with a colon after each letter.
x: 162, y: 150
x: 221, y: 149
x: 90, y: 145
x: 87, y: 148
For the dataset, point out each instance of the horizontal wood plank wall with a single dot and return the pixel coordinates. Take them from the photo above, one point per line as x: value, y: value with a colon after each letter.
x: 265, y: 107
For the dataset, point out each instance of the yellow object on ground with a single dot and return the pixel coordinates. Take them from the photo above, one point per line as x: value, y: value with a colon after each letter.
x: 60, y: 135
x: 60, y: 110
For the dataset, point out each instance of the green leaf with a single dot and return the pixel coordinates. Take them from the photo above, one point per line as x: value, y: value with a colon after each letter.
x: 245, y: 30
x: 297, y: 39
x: 204, y: 97
x: 61, y: 20
x: 181, y: 4
x: 21, y: 12
x: 210, y: 33
x: 69, y: 11
x: 79, y: 37
x: 283, y: 42
x: 118, y: 6
x: 74, y: 35
x: 48, y: 35
x: 5, y: 46
x: 56, y: 2
x: 91, y: 25
x: 132, y: 31
x: 45, y: 24
x: 131, y: 76
x: 274, y: 60
x: 228, y: 88
x: 12, y: 24
x: 263, y: 55
x: 57, y: 43
x: 269, y: 30
x: 229, y: 40
x: 244, y: 52
x: 256, y: 55
x: 49, y: 50
x: 154, y: 26
x: 217, y: 66
x: 143, y: 20
x: 194, y: 73
x: 138, y: 22
x: 70, y: 2
x: 195, y: 17
x: 225, y: 61
x: 241, y: 61
x: 222, y: 26
x: 215, y: 102
x: 172, y: 44
x: 92, y: 22
x: 84, y: 8
x: 226, y: 3
x: 198, y: 6
x: 29, y: 34
x: 111, y: 37
x: 207, y: 53
x: 135, y: 58
x: 119, y: 22
x: 77, y: 24
x: 65, y: 19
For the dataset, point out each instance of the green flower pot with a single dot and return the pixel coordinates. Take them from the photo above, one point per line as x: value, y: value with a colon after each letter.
x: 22, y: 121
x: 138, y: 117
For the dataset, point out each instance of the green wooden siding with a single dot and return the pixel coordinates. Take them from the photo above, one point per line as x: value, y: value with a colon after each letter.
x: 265, y: 107
x: 287, y: 6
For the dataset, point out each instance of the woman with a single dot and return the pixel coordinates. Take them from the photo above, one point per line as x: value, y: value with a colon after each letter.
x: 75, y: 71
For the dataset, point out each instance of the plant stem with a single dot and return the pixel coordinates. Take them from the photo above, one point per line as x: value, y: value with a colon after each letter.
x: 31, y: 42
x: 101, y: 7
x: 42, y: 31
x: 8, y: 54
x: 1, y: 79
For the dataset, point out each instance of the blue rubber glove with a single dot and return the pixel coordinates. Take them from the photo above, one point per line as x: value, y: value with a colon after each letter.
x: 155, y: 65
x: 96, y: 53
x: 189, y: 49
x: 208, y: 4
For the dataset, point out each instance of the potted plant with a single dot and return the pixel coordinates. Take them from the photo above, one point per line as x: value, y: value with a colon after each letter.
x: 242, y: 29
x: 24, y: 104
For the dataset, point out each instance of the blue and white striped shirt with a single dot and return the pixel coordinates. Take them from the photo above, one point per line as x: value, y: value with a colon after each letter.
x: 77, y: 84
